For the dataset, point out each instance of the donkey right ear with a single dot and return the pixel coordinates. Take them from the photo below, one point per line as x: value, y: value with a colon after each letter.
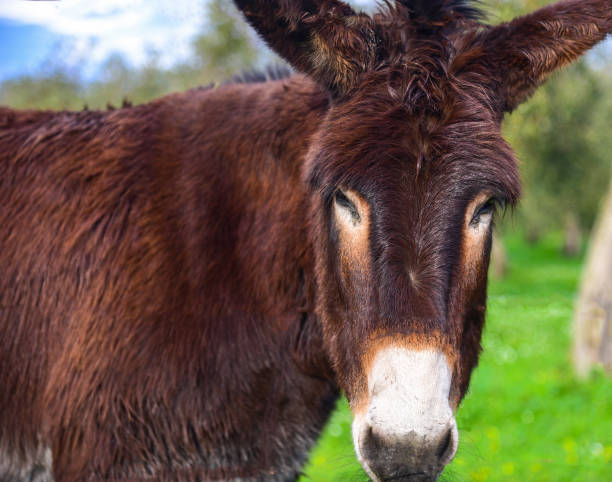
x: 528, y: 49
x: 325, y: 39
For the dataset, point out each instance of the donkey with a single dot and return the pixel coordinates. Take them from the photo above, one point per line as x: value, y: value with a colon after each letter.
x: 187, y: 286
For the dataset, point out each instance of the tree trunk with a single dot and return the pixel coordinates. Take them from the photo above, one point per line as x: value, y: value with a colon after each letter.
x: 593, y: 317
x: 572, y: 237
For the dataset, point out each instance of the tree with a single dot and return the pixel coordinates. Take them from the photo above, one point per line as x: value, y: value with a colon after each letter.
x: 227, y: 46
x: 561, y: 135
x: 593, y: 318
x: 57, y: 89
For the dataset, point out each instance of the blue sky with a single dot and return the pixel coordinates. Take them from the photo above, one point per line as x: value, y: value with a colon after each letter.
x: 23, y: 47
x: 87, y: 32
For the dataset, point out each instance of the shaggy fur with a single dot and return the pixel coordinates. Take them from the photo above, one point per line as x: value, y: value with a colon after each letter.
x: 173, y: 305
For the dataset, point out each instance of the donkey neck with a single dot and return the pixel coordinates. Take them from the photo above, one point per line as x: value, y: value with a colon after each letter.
x: 244, y: 198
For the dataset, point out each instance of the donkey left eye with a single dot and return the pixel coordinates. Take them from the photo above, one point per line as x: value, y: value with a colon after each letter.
x: 345, y: 203
x: 484, y: 212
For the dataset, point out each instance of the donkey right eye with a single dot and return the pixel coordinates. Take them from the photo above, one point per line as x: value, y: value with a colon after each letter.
x: 346, y: 204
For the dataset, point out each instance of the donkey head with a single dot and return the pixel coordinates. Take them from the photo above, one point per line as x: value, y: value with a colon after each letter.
x: 405, y: 173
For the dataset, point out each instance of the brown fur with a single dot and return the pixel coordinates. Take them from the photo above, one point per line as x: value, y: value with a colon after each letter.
x: 171, y: 301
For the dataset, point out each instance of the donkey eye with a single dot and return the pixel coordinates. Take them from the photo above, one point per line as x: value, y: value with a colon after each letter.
x: 345, y: 203
x: 484, y: 212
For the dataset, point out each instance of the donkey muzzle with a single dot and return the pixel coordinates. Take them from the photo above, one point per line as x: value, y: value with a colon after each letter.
x: 408, y: 431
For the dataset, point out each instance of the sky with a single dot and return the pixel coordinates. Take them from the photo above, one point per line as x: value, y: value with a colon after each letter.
x: 87, y: 32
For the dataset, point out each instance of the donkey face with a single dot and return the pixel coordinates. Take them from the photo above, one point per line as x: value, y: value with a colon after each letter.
x: 403, y: 199
x: 406, y: 173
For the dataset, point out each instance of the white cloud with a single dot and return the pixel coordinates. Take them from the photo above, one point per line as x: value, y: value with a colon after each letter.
x: 99, y: 28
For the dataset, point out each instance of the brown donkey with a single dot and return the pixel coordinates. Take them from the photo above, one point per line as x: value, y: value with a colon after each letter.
x: 187, y: 285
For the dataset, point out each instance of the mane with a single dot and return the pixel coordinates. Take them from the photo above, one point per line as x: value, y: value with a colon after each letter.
x: 418, y: 38
x: 441, y: 12
x: 428, y: 19
x: 271, y: 72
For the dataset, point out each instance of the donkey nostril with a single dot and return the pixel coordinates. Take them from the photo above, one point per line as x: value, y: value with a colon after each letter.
x: 444, y: 446
x: 448, y: 447
x: 373, y: 442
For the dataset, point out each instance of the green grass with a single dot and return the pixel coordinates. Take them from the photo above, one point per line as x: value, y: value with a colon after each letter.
x: 526, y: 416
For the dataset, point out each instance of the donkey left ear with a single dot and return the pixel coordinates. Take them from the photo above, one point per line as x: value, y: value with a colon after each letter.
x: 528, y: 49
x: 325, y: 39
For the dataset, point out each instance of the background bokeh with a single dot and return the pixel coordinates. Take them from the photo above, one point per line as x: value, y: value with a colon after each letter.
x: 527, y: 415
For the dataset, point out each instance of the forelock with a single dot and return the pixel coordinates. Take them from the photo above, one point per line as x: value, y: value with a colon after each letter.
x: 420, y: 50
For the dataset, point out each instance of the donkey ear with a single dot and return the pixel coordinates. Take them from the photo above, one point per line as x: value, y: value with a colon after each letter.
x: 325, y: 39
x: 528, y: 49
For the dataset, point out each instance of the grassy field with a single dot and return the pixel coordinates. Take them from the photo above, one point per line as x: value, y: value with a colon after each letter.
x: 526, y: 416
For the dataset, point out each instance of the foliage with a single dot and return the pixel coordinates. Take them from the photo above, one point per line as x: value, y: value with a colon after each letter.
x: 54, y: 90
x: 230, y: 48
x: 526, y: 416
x: 505, y: 10
x: 562, y: 137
